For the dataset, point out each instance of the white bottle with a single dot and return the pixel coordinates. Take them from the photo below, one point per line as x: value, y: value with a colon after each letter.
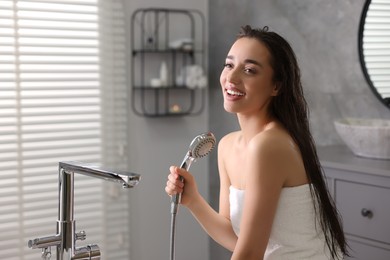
x: 164, y: 74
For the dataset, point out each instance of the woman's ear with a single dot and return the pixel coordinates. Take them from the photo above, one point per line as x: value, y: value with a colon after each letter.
x: 275, y: 90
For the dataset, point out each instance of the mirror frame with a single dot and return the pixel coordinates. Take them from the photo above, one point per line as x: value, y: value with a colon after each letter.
x: 363, y: 16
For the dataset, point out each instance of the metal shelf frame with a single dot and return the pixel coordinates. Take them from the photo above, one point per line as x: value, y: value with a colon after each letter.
x: 152, y: 32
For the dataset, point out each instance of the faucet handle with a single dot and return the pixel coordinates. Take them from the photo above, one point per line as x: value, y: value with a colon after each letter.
x: 91, y: 252
x: 81, y: 235
x: 46, y: 253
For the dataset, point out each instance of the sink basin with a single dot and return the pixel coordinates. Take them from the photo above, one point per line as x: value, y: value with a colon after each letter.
x: 365, y: 137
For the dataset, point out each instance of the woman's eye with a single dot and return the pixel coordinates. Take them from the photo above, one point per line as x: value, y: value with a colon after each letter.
x: 249, y: 70
x: 228, y: 65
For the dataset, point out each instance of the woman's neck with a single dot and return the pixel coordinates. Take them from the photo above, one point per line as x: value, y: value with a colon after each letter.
x: 253, y: 124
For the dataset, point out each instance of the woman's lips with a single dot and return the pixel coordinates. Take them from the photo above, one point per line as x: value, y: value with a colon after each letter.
x: 233, y: 94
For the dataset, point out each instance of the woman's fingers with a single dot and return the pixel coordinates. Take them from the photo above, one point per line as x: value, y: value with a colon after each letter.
x: 175, y: 179
x: 174, y: 185
x: 170, y: 192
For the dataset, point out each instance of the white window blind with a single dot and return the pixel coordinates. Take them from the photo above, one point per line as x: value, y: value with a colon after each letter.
x: 62, y: 97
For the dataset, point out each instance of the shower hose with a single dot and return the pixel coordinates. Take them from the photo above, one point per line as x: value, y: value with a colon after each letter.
x: 172, y: 237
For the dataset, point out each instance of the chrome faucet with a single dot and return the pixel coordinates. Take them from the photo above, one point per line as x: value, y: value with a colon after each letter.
x: 65, y: 239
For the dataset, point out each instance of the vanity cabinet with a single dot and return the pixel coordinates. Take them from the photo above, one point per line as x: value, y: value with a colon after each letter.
x: 168, y: 72
x: 361, y: 190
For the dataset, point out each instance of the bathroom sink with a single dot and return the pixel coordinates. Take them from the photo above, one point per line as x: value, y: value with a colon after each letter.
x: 365, y: 137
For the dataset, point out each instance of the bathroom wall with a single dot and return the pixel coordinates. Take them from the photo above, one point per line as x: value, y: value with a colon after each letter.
x: 324, y: 35
x: 157, y: 143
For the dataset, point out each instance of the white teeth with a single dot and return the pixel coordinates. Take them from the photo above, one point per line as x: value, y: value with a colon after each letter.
x: 234, y: 93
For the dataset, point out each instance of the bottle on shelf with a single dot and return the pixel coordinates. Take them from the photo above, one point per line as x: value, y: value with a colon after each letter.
x: 164, y: 74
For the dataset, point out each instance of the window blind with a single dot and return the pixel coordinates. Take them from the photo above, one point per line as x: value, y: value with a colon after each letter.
x: 62, y: 98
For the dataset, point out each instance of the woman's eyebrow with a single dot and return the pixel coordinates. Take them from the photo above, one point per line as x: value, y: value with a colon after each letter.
x: 254, y: 62
x: 231, y: 57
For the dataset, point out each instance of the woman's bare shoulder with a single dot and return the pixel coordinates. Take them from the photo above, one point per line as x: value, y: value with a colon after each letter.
x: 229, y: 139
x: 275, y: 139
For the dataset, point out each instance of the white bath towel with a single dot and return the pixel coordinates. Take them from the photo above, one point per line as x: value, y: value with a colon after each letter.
x: 295, y: 234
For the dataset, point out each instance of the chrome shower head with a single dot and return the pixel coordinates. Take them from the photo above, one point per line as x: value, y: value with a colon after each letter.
x: 202, y: 145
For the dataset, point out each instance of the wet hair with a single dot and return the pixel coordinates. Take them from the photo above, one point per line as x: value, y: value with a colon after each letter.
x: 291, y: 109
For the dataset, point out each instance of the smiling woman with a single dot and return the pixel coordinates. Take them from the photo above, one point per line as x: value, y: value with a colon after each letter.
x: 57, y: 104
x: 273, y: 199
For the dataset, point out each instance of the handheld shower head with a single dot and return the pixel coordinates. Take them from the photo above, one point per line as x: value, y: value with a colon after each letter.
x: 200, y: 146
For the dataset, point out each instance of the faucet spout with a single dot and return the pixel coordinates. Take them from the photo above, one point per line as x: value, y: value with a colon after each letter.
x: 127, y: 179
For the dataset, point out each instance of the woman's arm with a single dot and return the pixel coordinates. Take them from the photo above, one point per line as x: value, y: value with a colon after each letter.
x: 217, y: 225
x: 221, y: 232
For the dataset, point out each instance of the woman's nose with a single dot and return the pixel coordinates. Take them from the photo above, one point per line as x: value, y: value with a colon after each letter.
x: 233, y: 76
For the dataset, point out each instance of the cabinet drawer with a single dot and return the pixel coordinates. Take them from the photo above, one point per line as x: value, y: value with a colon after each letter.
x: 353, y: 199
x: 360, y: 251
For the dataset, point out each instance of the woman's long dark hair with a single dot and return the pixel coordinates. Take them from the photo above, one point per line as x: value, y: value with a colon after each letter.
x: 290, y: 108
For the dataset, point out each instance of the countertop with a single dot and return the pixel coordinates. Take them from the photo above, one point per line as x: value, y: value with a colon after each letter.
x: 340, y: 157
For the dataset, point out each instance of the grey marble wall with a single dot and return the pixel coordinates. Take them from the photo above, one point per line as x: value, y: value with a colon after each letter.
x: 324, y: 35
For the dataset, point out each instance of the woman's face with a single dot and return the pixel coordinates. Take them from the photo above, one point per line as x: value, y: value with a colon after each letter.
x: 247, y: 78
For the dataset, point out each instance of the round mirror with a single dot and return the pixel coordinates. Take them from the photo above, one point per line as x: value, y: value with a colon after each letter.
x: 374, y: 47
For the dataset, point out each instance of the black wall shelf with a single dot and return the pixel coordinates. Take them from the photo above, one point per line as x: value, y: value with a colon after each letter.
x: 173, y: 38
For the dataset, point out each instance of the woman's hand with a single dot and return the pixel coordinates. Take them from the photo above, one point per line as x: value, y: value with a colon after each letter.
x: 174, y: 185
